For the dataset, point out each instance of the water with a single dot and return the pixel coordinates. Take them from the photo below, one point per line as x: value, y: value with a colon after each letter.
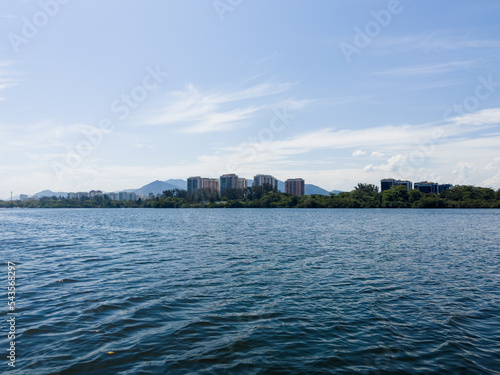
x: 279, y: 291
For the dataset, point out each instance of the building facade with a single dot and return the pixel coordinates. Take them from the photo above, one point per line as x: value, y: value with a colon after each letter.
x: 193, y: 184
x: 263, y: 179
x: 211, y: 184
x: 387, y: 183
x: 95, y: 193
x: 196, y: 183
x: 295, y: 186
x: 228, y: 181
x: 431, y: 187
x: 427, y: 187
x: 444, y: 187
x: 242, y: 183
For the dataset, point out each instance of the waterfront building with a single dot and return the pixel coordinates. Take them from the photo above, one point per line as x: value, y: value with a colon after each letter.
x: 387, y: 183
x: 113, y: 196
x: 444, y: 187
x: 295, y: 186
x: 427, y: 187
x: 122, y: 196
x: 431, y: 187
x: 23, y: 197
x: 95, y: 193
x: 408, y: 184
x: 82, y: 194
x: 196, y: 183
x: 228, y: 181
x: 263, y: 179
x: 211, y: 184
x: 193, y: 184
x: 242, y: 183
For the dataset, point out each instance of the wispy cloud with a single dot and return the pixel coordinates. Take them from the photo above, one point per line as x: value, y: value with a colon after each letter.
x: 434, y: 42
x: 198, y: 112
x: 427, y: 69
x: 486, y: 116
x: 267, y: 58
x: 8, y: 77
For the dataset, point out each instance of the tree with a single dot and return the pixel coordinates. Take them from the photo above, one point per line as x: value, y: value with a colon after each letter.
x: 396, y: 197
x: 369, y: 188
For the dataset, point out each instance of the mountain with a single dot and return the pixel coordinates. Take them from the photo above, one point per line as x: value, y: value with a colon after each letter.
x: 180, y: 184
x: 336, y: 192
x: 313, y: 189
x: 50, y: 193
x: 155, y: 187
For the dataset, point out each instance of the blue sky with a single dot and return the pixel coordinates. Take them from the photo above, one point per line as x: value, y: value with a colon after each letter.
x: 115, y: 94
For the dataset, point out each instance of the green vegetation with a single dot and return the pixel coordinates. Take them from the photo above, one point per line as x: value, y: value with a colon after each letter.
x: 363, y: 196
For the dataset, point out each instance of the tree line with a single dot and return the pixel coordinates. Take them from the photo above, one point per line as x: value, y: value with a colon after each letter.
x: 363, y: 196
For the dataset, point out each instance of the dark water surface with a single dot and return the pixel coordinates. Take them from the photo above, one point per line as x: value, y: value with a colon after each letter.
x: 230, y: 291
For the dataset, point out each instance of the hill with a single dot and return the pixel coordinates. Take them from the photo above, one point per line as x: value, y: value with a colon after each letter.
x: 180, y: 184
x: 155, y: 187
x: 50, y: 193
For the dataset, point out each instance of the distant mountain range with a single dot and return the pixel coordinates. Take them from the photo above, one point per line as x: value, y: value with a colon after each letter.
x: 158, y: 187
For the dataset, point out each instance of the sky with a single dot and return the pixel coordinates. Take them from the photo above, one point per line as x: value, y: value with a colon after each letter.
x: 115, y: 94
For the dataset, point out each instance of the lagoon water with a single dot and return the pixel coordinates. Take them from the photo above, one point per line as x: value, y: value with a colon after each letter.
x: 253, y: 291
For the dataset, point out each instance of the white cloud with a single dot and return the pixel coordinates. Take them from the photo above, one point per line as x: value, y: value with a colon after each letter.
x: 358, y: 153
x: 485, y: 116
x: 463, y: 173
x: 394, y: 164
x: 377, y: 154
x: 197, y: 112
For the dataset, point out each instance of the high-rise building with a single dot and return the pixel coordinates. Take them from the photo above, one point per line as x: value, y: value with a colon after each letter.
x: 23, y: 197
x: 431, y: 187
x: 193, y: 184
x: 295, y: 186
x: 211, y: 184
x: 242, y: 183
x: 427, y: 187
x: 114, y: 196
x: 387, y: 183
x: 196, y: 183
x: 263, y: 179
x: 444, y: 187
x: 228, y: 181
x: 95, y: 193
